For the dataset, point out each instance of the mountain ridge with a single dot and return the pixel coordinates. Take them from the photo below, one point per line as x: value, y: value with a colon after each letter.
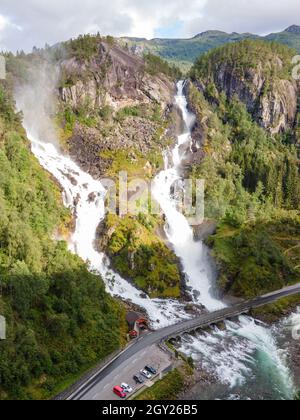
x: 295, y: 29
x: 184, y: 51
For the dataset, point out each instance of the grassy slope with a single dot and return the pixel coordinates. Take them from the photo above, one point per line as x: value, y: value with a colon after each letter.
x: 287, y: 38
x: 258, y: 258
x: 184, y: 52
x: 166, y: 389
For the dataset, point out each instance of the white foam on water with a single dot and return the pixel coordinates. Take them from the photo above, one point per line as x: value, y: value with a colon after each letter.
x: 229, y: 354
x: 85, y: 196
x: 236, y: 354
x: 193, y: 255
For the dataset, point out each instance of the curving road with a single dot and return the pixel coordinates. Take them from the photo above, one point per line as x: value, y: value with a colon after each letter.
x: 173, y: 331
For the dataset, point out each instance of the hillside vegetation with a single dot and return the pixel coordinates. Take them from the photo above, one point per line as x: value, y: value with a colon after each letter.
x: 115, y: 115
x: 59, y: 318
x: 184, y: 52
x: 252, y: 177
x: 245, y: 55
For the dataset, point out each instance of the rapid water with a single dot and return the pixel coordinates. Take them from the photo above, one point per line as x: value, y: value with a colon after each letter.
x: 245, y: 349
x: 247, y: 359
x: 228, y: 354
x: 193, y: 255
x: 85, y: 197
x: 78, y: 188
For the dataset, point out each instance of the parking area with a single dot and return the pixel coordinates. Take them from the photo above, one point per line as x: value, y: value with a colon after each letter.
x: 152, y: 356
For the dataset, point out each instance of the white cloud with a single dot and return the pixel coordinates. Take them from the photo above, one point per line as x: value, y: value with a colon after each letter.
x: 3, y: 23
x: 5, y: 27
x: 56, y: 20
x: 256, y: 16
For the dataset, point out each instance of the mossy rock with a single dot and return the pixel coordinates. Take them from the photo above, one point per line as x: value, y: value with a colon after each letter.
x: 139, y: 255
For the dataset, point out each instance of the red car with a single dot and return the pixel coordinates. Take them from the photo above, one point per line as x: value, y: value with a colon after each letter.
x: 119, y: 392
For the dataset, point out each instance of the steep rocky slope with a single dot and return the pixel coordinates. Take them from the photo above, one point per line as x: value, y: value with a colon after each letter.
x: 112, y: 77
x: 110, y: 103
x: 260, y: 75
x: 245, y: 147
x: 116, y: 113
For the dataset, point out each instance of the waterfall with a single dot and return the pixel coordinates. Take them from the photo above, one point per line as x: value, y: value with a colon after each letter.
x: 193, y: 255
x: 78, y: 188
x: 232, y: 362
x: 243, y: 347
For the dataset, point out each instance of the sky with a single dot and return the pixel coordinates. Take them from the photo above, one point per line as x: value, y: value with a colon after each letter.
x: 28, y: 23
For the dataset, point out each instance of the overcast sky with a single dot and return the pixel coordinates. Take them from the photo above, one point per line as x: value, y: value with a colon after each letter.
x: 28, y: 23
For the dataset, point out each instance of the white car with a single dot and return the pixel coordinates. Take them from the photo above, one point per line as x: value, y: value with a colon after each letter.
x: 127, y: 388
x: 146, y: 374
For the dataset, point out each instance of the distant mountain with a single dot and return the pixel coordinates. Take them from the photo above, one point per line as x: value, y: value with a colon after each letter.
x: 294, y: 29
x: 290, y: 37
x: 186, y: 51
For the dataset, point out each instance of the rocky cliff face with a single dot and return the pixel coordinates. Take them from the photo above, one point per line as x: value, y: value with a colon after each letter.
x: 272, y: 104
x: 114, y: 77
x: 259, y: 74
x: 137, y: 107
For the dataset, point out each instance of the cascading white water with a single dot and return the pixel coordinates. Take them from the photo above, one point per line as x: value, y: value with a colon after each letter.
x: 244, y: 357
x: 230, y: 359
x: 78, y: 188
x: 193, y: 255
x: 85, y: 196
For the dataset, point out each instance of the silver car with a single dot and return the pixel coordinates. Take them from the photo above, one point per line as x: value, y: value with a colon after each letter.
x: 127, y: 388
x: 146, y: 374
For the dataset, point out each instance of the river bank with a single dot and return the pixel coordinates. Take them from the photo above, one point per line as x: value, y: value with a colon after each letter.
x: 248, y: 375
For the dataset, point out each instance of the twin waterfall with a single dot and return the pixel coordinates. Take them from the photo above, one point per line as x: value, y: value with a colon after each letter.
x: 234, y: 356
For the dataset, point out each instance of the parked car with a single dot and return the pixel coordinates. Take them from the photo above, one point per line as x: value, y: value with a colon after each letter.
x: 127, y: 388
x: 151, y: 370
x: 119, y: 392
x: 146, y: 374
x: 138, y: 379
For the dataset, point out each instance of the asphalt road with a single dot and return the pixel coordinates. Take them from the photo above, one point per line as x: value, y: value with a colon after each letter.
x: 155, y: 337
x: 152, y: 356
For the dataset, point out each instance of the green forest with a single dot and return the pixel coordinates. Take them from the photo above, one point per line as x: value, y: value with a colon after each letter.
x: 252, y: 181
x: 60, y: 320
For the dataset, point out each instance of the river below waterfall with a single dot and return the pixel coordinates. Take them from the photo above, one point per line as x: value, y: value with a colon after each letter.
x: 247, y: 359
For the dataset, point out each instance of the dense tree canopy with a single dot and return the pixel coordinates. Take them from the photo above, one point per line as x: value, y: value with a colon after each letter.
x: 59, y: 318
x: 253, y: 191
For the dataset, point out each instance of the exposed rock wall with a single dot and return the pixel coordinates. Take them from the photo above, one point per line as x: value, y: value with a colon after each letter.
x: 272, y: 104
x: 115, y: 77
